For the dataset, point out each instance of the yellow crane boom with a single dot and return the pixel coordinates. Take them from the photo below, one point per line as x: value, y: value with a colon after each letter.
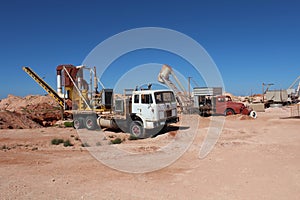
x: 44, y: 85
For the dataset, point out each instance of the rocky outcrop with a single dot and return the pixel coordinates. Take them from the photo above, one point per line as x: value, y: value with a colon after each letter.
x: 28, y: 112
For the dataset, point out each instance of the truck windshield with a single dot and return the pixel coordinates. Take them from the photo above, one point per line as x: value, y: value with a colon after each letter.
x: 164, y: 97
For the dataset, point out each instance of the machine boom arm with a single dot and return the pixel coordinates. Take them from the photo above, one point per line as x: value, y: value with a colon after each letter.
x: 163, y: 77
x: 44, y: 85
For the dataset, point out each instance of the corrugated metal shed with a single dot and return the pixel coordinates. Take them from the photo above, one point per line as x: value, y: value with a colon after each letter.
x: 207, y: 91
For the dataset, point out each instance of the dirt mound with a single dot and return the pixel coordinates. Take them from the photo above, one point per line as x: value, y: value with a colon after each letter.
x: 43, y: 113
x: 239, y: 117
x: 14, y: 103
x: 246, y: 117
x: 13, y: 120
x: 43, y: 110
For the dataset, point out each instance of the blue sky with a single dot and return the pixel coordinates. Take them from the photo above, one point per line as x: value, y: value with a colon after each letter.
x: 251, y: 42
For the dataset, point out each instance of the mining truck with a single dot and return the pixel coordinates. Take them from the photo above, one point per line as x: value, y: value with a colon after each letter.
x: 136, y: 111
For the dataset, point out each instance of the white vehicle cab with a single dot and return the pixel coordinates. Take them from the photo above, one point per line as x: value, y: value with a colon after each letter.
x: 152, y: 109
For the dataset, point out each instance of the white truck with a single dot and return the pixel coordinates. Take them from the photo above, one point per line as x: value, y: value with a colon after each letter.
x: 137, y: 114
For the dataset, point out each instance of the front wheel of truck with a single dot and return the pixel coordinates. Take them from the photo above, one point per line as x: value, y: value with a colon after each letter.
x: 137, y: 129
x: 229, y: 111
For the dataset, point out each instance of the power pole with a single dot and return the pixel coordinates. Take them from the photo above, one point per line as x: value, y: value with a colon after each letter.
x: 189, y: 86
x: 263, y: 93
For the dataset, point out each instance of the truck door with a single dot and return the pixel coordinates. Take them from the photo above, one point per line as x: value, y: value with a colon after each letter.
x: 136, y: 104
x: 143, y: 105
x: 146, y: 106
x: 220, y: 105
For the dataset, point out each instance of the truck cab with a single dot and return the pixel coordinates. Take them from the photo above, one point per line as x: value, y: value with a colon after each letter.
x: 222, y: 105
x: 225, y: 105
x: 152, y: 109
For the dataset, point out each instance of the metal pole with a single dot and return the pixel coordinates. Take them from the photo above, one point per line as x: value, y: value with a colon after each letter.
x: 91, y: 85
x: 263, y: 93
x: 189, y: 86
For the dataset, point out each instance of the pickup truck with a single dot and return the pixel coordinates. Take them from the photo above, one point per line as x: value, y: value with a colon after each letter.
x: 222, y: 105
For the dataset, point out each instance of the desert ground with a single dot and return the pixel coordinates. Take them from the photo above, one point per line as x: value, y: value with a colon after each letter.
x: 253, y: 159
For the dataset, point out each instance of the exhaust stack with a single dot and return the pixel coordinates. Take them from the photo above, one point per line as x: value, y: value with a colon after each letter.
x: 59, y: 85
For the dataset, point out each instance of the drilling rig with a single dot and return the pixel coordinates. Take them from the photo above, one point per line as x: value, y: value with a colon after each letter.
x: 182, y: 97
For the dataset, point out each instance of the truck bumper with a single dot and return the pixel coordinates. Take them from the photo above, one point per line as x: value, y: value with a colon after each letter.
x: 246, y: 111
x: 172, y: 120
x: 151, y: 124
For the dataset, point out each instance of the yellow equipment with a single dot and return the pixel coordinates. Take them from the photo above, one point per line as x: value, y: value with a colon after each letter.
x: 44, y: 85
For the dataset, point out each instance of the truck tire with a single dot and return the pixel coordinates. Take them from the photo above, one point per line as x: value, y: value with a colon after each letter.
x: 90, y: 123
x: 137, y: 129
x: 229, y: 111
x: 78, y: 123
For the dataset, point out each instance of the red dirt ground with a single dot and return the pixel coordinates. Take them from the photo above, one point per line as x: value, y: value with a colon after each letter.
x: 253, y: 159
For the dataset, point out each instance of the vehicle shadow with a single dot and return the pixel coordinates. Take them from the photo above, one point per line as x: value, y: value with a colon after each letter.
x: 153, y: 132
x: 167, y: 129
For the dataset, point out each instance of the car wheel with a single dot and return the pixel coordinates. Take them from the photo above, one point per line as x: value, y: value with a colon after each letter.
x: 229, y: 111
